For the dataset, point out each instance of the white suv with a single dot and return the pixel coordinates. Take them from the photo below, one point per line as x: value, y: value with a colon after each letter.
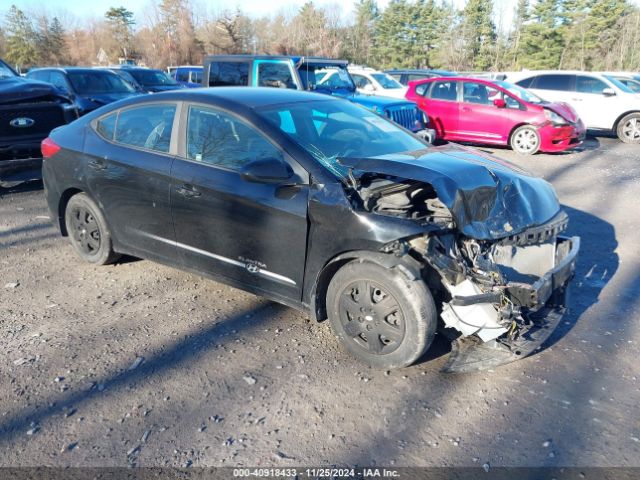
x: 602, y: 101
x: 374, y: 82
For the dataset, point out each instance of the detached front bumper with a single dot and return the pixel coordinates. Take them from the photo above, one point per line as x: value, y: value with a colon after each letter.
x: 543, y: 304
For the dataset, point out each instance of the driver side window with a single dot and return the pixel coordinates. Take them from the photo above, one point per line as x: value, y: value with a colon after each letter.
x: 146, y: 127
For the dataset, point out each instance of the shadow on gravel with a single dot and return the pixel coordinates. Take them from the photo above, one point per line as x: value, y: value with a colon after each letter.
x: 597, y: 263
x: 173, y: 356
x: 21, y: 188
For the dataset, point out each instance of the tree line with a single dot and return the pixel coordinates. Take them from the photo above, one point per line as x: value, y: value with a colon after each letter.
x: 544, y: 34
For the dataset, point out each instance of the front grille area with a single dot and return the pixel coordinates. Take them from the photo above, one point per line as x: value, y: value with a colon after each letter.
x: 405, y: 116
x: 45, y: 115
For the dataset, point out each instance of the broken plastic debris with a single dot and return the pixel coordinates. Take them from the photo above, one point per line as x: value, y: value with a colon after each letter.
x: 479, y: 318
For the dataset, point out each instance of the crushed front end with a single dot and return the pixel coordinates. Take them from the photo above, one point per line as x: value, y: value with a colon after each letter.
x: 502, y: 298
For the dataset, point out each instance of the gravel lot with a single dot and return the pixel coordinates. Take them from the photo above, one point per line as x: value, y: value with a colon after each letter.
x: 140, y: 364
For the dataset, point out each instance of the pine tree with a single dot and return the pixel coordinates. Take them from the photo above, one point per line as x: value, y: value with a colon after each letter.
x: 541, y: 39
x: 520, y: 18
x: 57, y: 42
x: 121, y: 22
x: 479, y: 33
x: 21, y: 38
x: 361, y: 35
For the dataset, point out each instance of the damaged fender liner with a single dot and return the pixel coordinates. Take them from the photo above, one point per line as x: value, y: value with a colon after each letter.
x: 470, y: 354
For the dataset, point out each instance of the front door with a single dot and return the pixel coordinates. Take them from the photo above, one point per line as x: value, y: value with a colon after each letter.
x: 253, y: 234
x: 128, y: 172
x: 479, y: 119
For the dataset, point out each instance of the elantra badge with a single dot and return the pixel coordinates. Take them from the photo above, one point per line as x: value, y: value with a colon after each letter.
x: 22, y: 122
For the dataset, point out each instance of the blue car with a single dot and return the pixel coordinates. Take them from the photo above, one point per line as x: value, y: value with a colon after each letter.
x: 187, y: 75
x: 320, y: 75
x: 88, y: 88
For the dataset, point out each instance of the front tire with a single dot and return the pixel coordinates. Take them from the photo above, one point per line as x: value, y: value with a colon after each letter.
x: 628, y: 129
x: 88, y: 231
x: 525, y: 140
x: 381, y: 317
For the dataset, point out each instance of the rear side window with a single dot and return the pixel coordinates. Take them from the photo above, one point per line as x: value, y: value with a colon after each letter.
x: 360, y: 80
x: 446, y: 90
x: 417, y: 76
x: 586, y: 84
x: 219, y: 139
x: 397, y: 76
x: 106, y: 126
x: 223, y: 74
x: 554, y: 82
x: 271, y: 74
x: 422, y: 89
x: 146, y: 127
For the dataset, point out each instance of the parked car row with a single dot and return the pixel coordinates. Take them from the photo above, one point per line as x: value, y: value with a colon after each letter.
x: 537, y: 111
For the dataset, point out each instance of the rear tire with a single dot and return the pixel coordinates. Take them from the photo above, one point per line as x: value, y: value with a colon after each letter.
x: 525, y: 140
x: 628, y: 129
x: 88, y: 231
x: 380, y: 316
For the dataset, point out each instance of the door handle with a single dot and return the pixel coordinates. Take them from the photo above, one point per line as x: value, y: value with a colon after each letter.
x: 188, y: 191
x: 576, y: 99
x: 466, y: 109
x: 98, y: 164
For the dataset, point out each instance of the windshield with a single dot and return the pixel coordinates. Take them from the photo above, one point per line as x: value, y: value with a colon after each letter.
x: 152, y: 78
x: 325, y: 77
x: 85, y: 83
x: 634, y: 85
x: 619, y: 84
x: 6, y: 72
x: 330, y: 130
x: 386, y: 81
x: 519, y: 92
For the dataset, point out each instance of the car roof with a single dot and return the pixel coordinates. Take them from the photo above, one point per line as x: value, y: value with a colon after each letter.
x: 242, y: 97
x: 75, y: 69
x: 419, y: 70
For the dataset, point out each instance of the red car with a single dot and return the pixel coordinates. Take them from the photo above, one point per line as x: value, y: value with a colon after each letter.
x: 496, y: 112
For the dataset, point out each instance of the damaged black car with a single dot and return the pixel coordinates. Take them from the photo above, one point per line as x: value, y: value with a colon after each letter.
x: 29, y: 110
x: 327, y: 207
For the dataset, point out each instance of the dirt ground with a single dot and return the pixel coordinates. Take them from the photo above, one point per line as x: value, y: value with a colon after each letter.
x: 140, y: 364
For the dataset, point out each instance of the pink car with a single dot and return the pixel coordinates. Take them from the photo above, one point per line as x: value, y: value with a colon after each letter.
x: 496, y: 112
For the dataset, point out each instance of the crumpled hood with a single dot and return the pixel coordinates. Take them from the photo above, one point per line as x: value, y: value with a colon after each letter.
x: 488, y: 198
x: 17, y: 89
x: 564, y: 110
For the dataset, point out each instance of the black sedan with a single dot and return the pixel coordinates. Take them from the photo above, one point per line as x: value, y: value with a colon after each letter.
x: 148, y: 80
x: 324, y: 206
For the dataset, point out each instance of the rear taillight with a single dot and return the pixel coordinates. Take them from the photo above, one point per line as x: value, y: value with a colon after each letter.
x: 49, y: 148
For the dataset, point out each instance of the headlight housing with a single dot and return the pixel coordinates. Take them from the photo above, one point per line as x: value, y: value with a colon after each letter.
x: 554, y: 118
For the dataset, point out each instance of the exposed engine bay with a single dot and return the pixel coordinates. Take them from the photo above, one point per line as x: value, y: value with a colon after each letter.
x: 500, y: 296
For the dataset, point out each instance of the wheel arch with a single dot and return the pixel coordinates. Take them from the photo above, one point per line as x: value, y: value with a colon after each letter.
x: 514, y: 128
x: 620, y: 117
x: 62, y: 207
x: 410, y: 267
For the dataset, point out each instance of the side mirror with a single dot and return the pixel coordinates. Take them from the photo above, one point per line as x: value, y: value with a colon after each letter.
x: 368, y: 88
x: 500, y: 103
x: 608, y: 92
x: 267, y: 170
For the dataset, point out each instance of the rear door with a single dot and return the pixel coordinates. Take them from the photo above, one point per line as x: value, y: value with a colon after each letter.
x: 253, y: 234
x: 555, y: 87
x: 441, y: 104
x: 479, y: 119
x: 128, y: 164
